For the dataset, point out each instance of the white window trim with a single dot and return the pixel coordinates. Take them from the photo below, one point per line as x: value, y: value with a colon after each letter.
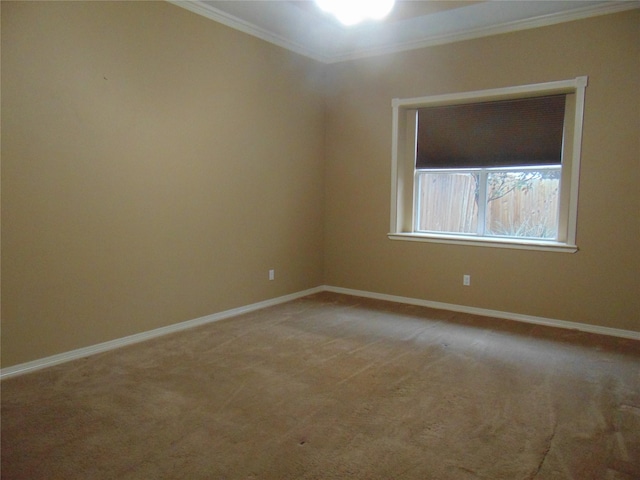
x: 401, y: 191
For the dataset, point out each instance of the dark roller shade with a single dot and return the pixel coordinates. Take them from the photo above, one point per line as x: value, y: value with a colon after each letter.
x: 518, y: 132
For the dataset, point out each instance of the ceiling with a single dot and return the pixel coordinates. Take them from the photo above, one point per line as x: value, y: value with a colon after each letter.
x: 302, y: 27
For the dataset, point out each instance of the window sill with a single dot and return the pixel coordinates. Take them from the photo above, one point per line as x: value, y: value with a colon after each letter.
x: 540, y: 245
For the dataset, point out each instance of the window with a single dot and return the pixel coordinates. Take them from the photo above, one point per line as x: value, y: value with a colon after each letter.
x: 495, y: 167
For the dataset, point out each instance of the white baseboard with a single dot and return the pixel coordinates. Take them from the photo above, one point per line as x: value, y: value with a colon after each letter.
x: 550, y: 322
x: 140, y: 337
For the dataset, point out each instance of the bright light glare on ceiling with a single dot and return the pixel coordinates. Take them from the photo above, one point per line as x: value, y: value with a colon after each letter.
x: 350, y: 12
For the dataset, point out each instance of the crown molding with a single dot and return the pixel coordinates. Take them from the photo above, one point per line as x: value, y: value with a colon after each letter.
x: 217, y: 15
x: 485, y: 31
x: 466, y: 23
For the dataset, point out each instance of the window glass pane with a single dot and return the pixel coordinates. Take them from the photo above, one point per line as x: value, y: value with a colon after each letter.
x: 523, y: 204
x: 447, y: 202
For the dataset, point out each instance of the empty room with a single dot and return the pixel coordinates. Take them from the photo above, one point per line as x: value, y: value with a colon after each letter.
x: 263, y: 240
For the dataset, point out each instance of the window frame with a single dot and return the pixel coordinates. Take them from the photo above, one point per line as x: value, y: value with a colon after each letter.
x: 403, y: 165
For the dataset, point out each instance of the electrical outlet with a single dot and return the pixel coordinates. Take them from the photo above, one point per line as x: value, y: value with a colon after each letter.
x: 272, y: 274
x: 466, y: 280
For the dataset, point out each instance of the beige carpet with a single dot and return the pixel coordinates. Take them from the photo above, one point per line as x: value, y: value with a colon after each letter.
x: 330, y: 387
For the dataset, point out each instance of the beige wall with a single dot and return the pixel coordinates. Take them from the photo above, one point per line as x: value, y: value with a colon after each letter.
x: 156, y: 164
x: 600, y: 284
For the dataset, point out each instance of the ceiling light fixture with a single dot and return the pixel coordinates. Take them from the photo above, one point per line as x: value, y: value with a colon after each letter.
x: 350, y: 12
